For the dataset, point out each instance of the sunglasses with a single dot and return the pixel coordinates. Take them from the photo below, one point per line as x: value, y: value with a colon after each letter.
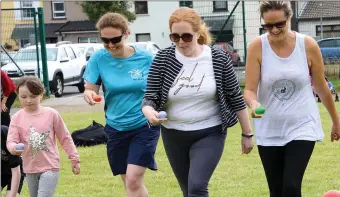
x: 113, y: 40
x: 186, y: 37
x: 269, y: 26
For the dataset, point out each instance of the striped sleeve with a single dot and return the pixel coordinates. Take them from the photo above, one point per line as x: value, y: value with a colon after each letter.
x: 231, y: 86
x: 153, y: 87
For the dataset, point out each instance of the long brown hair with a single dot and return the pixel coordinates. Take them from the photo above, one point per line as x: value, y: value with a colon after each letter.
x: 33, y: 84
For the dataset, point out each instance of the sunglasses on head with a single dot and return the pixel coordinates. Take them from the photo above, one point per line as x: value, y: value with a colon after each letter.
x: 269, y: 26
x: 186, y: 37
x: 113, y: 40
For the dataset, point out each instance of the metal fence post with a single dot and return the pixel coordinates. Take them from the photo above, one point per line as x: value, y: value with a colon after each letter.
x: 43, y: 50
x: 36, y: 39
x: 244, y: 32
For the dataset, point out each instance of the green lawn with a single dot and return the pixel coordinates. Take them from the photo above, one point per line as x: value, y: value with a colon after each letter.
x: 236, y: 175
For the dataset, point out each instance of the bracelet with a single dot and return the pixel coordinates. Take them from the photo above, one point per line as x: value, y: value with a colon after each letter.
x: 247, y: 136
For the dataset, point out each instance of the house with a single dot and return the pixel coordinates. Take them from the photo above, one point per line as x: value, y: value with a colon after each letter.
x: 17, y: 26
x: 215, y: 14
x: 319, y: 19
x: 66, y: 21
x: 152, y: 22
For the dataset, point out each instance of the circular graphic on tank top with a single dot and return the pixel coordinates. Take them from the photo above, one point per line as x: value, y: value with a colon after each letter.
x: 283, y: 89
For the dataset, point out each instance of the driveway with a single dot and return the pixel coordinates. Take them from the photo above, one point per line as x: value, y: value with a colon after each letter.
x: 72, y: 101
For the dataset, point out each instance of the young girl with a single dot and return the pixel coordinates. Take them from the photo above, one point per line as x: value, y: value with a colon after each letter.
x: 37, y: 127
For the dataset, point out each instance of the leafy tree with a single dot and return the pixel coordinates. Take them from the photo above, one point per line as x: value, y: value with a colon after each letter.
x: 96, y: 9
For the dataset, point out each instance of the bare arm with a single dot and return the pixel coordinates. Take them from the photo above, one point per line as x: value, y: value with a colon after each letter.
x: 315, y: 61
x: 92, y: 87
x: 243, y: 117
x: 16, y: 175
x: 253, y: 71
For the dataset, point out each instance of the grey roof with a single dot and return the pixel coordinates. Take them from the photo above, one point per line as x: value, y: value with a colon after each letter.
x: 50, y: 29
x: 316, y: 9
x: 71, y: 26
x: 23, y: 31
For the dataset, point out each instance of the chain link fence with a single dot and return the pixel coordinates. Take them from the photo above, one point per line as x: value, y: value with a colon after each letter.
x: 23, y: 49
x: 20, y: 42
x: 235, y: 24
x: 321, y: 20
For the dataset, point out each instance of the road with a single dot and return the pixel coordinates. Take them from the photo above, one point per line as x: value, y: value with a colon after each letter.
x: 71, y: 101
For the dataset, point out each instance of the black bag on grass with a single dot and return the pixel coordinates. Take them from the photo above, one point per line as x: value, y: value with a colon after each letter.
x: 90, y: 136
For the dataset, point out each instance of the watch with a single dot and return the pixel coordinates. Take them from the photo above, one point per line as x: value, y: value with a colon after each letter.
x: 247, y: 135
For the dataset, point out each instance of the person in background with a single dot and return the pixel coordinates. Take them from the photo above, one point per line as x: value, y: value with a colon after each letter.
x: 12, y: 175
x: 235, y: 58
x: 8, y: 97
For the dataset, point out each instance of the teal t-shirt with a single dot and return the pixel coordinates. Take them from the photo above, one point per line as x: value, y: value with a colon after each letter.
x: 124, y: 84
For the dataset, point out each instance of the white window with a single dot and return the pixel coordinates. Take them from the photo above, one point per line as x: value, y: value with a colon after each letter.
x: 141, y: 7
x: 220, y: 6
x: 27, y: 13
x: 87, y: 40
x: 58, y: 9
x: 143, y: 37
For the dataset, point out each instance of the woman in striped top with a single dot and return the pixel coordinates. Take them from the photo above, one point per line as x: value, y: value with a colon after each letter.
x: 197, y: 87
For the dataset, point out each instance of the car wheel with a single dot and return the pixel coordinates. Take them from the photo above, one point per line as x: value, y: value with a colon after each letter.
x: 58, y: 86
x: 81, y: 85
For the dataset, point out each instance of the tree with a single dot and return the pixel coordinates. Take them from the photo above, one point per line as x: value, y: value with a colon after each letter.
x: 95, y: 9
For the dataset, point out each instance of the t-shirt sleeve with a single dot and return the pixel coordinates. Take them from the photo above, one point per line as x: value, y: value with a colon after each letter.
x: 92, y: 74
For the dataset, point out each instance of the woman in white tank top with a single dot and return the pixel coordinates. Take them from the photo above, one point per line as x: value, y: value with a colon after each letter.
x: 278, y: 78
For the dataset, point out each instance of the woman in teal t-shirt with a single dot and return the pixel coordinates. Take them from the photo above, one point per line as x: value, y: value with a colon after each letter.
x: 122, y: 71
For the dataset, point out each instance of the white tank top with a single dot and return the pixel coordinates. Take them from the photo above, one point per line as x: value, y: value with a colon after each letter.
x: 285, y: 91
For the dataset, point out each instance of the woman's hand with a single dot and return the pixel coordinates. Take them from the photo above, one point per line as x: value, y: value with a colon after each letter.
x: 88, y: 96
x: 152, y: 115
x: 247, y: 145
x: 335, y: 134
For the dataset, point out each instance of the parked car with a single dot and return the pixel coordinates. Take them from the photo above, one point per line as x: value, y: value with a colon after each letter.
x: 86, y: 49
x: 4, y: 59
x: 65, y: 67
x: 149, y: 46
x: 330, y: 49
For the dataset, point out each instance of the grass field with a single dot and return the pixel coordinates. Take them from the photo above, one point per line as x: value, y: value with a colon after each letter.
x: 236, y: 175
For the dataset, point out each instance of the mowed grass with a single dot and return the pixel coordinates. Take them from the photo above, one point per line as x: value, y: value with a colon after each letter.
x: 237, y: 175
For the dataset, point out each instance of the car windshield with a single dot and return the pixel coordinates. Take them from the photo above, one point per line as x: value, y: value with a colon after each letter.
x: 81, y: 50
x: 26, y: 55
x: 4, y: 56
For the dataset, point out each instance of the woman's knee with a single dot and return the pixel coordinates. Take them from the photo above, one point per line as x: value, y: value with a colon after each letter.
x: 134, y: 177
x: 291, y: 189
x: 133, y: 182
x: 198, y: 188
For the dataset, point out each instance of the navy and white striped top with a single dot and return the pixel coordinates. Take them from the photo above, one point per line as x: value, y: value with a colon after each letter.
x: 165, y: 68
